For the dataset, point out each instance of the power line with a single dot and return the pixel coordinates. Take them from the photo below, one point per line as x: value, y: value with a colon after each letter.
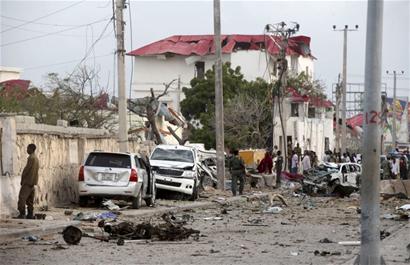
x: 51, y: 33
x: 40, y: 31
x: 62, y: 63
x: 131, y: 57
x: 91, y: 47
x: 39, y: 23
x: 44, y: 16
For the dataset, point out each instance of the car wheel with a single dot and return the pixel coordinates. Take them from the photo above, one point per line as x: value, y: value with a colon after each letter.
x: 137, y: 201
x: 83, y: 201
x: 195, y: 193
x: 151, y: 200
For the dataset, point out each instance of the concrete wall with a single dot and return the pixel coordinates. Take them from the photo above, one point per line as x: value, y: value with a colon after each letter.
x: 60, y: 154
x: 8, y: 73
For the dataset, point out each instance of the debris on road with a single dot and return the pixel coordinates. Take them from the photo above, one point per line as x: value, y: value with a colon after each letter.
x: 326, y: 240
x: 326, y: 253
x: 68, y: 212
x: 215, y: 218
x: 31, y: 238
x: 72, y: 235
x: 349, y: 243
x: 273, y: 210
x: 111, y: 206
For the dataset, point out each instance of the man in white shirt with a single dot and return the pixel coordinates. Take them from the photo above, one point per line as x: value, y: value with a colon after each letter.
x: 294, y: 164
x: 306, y: 161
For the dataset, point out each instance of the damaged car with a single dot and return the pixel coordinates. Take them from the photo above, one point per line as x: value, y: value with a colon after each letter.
x: 176, y: 169
x: 116, y: 175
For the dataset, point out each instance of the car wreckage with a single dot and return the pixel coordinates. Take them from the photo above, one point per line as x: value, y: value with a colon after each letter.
x: 332, y: 178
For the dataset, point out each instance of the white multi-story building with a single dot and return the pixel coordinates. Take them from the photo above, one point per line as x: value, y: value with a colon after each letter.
x: 188, y: 56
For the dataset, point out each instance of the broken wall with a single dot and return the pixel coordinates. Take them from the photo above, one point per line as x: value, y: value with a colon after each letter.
x: 60, y: 150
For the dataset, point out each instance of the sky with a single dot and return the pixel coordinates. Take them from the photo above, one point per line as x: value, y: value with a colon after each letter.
x: 55, y: 36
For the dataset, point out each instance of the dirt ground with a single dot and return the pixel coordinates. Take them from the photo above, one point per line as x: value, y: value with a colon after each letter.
x: 243, y: 235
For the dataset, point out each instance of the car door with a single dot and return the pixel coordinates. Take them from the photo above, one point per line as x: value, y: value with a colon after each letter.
x: 351, y: 176
x: 142, y: 173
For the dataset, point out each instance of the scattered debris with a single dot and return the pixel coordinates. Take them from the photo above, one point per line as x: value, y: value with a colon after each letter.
x: 111, y: 206
x: 384, y: 234
x: 168, y: 231
x: 85, y: 217
x: 405, y: 207
x: 216, y: 218
x: 31, y: 238
x: 43, y: 208
x: 49, y: 218
x: 326, y: 240
x: 327, y: 253
x: 68, y: 212
x: 40, y: 216
x: 108, y: 216
x: 294, y: 253
x: 72, y: 235
x: 273, y: 210
x: 212, y: 251
x: 224, y: 211
x: 349, y: 243
x: 58, y: 247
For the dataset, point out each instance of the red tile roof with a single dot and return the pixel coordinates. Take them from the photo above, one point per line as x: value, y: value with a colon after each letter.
x: 204, y: 44
x: 315, y: 101
x: 16, y: 88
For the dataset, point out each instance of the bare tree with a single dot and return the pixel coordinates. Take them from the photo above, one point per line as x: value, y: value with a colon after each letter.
x: 147, y: 107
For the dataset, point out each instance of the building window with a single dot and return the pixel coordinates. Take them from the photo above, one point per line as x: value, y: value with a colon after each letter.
x: 200, y: 70
x: 294, y: 64
x: 327, y: 145
x: 307, y: 71
x: 311, y: 112
x: 294, y: 110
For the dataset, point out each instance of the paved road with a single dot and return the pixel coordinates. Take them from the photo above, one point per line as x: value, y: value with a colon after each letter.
x: 289, y: 237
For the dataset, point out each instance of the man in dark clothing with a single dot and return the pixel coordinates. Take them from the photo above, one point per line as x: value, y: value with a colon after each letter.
x: 266, y: 165
x: 403, y: 168
x: 29, y: 178
x: 278, y: 168
x: 237, y: 170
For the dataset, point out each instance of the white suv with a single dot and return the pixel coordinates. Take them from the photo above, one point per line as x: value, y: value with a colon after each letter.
x: 116, y: 175
x: 175, y: 169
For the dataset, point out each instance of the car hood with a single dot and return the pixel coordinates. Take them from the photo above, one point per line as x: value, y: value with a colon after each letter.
x: 170, y: 164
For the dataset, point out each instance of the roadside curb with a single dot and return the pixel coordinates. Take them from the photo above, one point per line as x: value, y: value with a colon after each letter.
x: 38, y: 231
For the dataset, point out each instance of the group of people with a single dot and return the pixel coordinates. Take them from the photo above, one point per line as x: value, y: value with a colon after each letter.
x: 341, y: 158
x: 395, y: 167
x: 236, y: 167
x: 298, y: 161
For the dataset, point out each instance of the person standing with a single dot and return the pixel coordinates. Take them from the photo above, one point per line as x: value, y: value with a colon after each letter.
x: 237, y: 170
x: 386, y: 166
x: 266, y: 165
x: 306, y: 162
x: 395, y: 168
x: 294, y: 163
x: 278, y: 167
x: 29, y: 178
x: 403, y: 168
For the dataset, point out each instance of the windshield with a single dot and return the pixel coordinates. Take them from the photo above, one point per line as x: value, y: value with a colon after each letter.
x: 108, y: 160
x: 173, y: 155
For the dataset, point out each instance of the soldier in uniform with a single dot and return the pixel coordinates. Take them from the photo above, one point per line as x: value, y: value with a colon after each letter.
x: 29, y: 178
x: 237, y: 170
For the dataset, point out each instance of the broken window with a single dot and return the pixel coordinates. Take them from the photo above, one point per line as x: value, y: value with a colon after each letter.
x: 200, y: 70
x: 294, y: 110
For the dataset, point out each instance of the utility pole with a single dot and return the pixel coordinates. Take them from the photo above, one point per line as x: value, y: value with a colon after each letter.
x: 370, y: 188
x: 394, y: 129
x: 344, y: 83
x: 280, y: 33
x: 219, y: 107
x: 337, y: 114
x: 179, y: 94
x: 122, y: 100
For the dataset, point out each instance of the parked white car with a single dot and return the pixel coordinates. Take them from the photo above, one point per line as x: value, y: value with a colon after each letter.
x: 116, y: 175
x: 175, y: 169
x: 345, y: 174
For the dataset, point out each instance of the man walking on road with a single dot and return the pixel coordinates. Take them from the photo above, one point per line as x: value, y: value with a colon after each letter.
x: 278, y: 168
x: 29, y: 178
x: 237, y: 170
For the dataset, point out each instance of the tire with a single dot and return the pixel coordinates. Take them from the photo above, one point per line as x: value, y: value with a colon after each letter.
x: 151, y: 200
x: 83, y: 201
x: 195, y: 193
x: 137, y: 201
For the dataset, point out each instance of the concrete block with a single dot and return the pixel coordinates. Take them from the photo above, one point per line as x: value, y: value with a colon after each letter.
x: 62, y: 123
x: 25, y: 119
